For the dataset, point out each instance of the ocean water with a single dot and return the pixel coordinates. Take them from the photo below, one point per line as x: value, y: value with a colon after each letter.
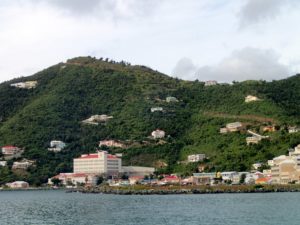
x: 58, y: 207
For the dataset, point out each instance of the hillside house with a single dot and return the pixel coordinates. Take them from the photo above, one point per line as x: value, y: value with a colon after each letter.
x: 25, y: 85
x: 3, y: 163
x: 18, y: 185
x: 293, y: 129
x: 210, y: 83
x: 256, y: 166
x: 171, y: 99
x: 96, y: 119
x: 156, y: 109
x: 157, y: 134
x: 196, y: 157
x: 251, y: 98
x: 56, y: 146
x: 112, y: 143
x: 269, y: 129
x: 223, y: 130
x: 10, y: 152
x: 253, y: 140
x: 22, y: 165
x: 231, y: 127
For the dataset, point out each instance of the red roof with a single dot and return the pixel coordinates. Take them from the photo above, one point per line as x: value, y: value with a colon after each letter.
x: 9, y: 146
x: 89, y: 156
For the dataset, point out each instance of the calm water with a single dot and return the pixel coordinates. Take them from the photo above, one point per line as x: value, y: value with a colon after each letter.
x: 57, y: 207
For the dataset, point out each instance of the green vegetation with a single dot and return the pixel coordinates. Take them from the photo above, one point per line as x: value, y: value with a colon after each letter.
x: 69, y: 93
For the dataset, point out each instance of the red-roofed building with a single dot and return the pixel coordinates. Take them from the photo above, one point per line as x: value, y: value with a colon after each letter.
x: 10, y: 150
x: 98, y: 163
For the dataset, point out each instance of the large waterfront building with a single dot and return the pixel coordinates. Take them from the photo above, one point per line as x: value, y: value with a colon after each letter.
x: 98, y: 163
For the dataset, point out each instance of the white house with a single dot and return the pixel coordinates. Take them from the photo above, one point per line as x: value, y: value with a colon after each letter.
x: 156, y: 109
x: 157, y: 134
x: 25, y: 85
x: 10, y: 150
x: 111, y: 143
x: 196, y: 157
x: 96, y: 119
x: 293, y: 129
x: 251, y: 98
x: 171, y: 99
x: 3, y: 163
x: 56, y: 146
x: 18, y: 185
x: 210, y: 83
x: 22, y: 165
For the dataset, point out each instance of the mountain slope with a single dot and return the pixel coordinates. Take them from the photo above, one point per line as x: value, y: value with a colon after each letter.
x: 70, y: 92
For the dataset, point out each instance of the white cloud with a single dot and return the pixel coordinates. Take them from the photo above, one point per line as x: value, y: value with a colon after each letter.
x: 247, y: 63
x: 256, y: 11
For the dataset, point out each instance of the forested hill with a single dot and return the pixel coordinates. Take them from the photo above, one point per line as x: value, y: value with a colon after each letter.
x: 68, y: 93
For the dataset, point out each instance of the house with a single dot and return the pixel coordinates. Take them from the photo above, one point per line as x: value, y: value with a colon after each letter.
x: 252, y: 177
x: 171, y: 99
x: 231, y: 176
x: 18, y: 185
x: 231, y: 127
x: 223, y: 130
x: 253, y: 140
x: 98, y: 163
x: 75, y: 179
x: 170, y: 179
x: 293, y: 129
x: 96, y: 119
x: 3, y: 163
x: 269, y: 129
x: 56, y: 146
x: 137, y: 170
x: 210, y: 83
x: 25, y: 85
x: 196, y: 157
x: 22, y: 165
x: 11, y: 150
x: 263, y: 180
x: 157, y: 134
x: 256, y: 166
x: 251, y: 98
x: 156, y: 109
x: 203, y: 178
x: 112, y: 143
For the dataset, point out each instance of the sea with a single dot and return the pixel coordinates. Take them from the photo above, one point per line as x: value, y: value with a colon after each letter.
x: 58, y: 207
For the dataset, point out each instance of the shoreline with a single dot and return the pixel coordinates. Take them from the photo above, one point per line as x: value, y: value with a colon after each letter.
x: 237, y: 189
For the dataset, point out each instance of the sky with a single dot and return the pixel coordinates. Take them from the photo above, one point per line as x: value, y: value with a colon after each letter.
x: 193, y: 39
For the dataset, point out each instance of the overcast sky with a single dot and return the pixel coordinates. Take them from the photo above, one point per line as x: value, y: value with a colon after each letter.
x: 192, y: 39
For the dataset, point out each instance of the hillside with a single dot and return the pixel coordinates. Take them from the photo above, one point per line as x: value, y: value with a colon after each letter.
x: 70, y: 92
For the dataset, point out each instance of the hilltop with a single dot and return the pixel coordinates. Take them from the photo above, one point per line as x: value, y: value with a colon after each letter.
x: 68, y: 93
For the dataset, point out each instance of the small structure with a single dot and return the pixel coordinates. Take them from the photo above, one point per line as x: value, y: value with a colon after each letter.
x: 203, y: 178
x: 251, y: 98
x: 18, y: 185
x: 10, y: 152
x: 269, y: 129
x: 96, y: 119
x: 112, y: 143
x: 135, y: 179
x: 171, y: 99
x: 293, y: 129
x: 137, y: 170
x: 157, y: 134
x: 75, y: 179
x: 3, y: 163
x: 22, y: 165
x: 253, y: 140
x: 256, y: 166
x: 231, y: 127
x: 156, y: 109
x: 210, y: 83
x: 56, y: 146
x: 170, y: 179
x: 196, y: 157
x: 231, y: 176
x: 25, y: 85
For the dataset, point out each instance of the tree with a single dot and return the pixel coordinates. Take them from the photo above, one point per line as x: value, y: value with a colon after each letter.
x: 56, y: 181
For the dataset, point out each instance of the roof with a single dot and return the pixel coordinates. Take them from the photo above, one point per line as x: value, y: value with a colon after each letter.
x: 95, y: 156
x: 9, y: 146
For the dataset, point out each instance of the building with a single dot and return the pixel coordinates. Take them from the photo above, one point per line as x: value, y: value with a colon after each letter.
x: 25, y: 85
x: 269, y: 129
x: 196, y: 157
x: 156, y: 109
x: 263, y: 180
x: 135, y: 179
x: 251, y: 98
x: 22, y: 165
x: 112, y: 143
x: 137, y: 170
x: 18, y: 185
x: 231, y: 176
x: 170, y: 179
x: 210, y: 83
x: 3, y: 163
x: 232, y: 127
x: 253, y: 140
x: 75, y: 179
x: 293, y: 129
x: 56, y: 146
x: 223, y: 130
x: 203, y: 178
x: 96, y: 119
x: 157, y: 134
x: 171, y: 99
x: 98, y: 163
x: 10, y: 150
x: 256, y: 166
